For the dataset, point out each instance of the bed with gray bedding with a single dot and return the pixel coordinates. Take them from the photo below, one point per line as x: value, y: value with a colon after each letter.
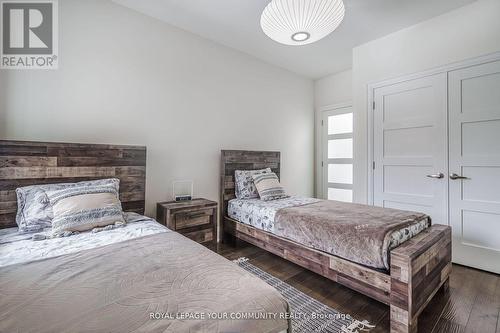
x: 142, y: 277
x: 347, y: 243
x: 359, y: 233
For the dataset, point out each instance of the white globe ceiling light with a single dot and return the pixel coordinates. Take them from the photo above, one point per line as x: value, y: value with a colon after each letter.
x: 300, y: 22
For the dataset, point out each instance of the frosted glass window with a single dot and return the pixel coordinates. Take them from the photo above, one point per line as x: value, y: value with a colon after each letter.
x: 340, y: 173
x: 340, y: 194
x: 340, y: 124
x: 337, y: 154
x: 340, y: 148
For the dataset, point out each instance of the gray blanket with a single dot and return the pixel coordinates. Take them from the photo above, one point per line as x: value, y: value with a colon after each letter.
x: 124, y: 286
x: 358, y: 233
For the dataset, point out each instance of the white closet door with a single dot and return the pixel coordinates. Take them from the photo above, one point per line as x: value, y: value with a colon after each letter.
x: 474, y: 97
x: 410, y: 146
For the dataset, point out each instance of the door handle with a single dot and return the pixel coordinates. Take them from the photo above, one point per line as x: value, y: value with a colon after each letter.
x: 437, y: 175
x: 454, y: 176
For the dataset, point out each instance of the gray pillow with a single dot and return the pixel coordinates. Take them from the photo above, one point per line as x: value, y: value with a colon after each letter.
x: 269, y: 187
x: 84, y: 207
x: 244, y: 186
x: 34, y: 212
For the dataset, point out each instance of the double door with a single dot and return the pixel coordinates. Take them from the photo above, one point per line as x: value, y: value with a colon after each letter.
x: 436, y: 150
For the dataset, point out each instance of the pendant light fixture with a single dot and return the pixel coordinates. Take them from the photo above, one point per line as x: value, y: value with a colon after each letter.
x: 300, y: 22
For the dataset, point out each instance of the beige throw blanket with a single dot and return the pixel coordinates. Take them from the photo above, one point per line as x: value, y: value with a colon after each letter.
x: 126, y: 286
x: 359, y: 233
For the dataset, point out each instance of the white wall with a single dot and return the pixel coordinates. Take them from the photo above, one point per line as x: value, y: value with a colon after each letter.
x: 125, y: 78
x: 333, y: 89
x: 330, y: 90
x: 464, y: 33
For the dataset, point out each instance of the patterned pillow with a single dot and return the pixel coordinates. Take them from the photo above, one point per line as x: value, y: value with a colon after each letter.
x: 82, y: 208
x: 244, y: 187
x: 269, y: 187
x: 34, y: 212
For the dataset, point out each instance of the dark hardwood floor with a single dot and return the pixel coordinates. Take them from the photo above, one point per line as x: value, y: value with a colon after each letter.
x: 471, y: 305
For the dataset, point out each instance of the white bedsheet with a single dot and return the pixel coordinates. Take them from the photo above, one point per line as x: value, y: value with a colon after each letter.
x: 16, y: 248
x: 260, y: 213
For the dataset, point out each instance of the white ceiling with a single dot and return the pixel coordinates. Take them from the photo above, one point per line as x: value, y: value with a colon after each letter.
x: 235, y: 23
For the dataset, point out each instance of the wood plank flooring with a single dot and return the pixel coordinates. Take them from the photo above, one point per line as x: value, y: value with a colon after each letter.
x: 471, y: 305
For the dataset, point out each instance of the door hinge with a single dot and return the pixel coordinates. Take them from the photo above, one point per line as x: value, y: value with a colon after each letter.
x: 322, y: 122
x: 322, y: 163
x: 373, y: 106
x: 373, y: 165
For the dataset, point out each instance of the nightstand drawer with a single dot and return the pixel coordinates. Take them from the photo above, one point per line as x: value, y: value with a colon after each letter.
x: 201, y: 236
x: 191, y: 219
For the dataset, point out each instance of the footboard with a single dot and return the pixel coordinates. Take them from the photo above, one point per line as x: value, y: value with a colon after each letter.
x: 419, y: 267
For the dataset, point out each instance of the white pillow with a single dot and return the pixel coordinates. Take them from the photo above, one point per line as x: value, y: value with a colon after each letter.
x: 84, y: 208
x: 34, y: 212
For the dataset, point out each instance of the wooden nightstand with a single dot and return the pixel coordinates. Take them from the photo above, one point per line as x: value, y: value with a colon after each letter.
x: 195, y: 219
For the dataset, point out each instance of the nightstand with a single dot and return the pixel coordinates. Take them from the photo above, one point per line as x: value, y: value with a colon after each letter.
x: 195, y: 219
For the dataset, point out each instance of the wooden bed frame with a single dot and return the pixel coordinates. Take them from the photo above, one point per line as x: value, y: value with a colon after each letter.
x: 419, y: 267
x: 24, y: 163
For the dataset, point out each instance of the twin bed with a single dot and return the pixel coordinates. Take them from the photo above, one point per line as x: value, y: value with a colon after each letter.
x: 395, y: 257
x: 144, y: 277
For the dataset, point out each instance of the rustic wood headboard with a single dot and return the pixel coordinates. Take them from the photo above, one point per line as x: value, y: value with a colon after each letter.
x: 24, y: 163
x: 232, y: 160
